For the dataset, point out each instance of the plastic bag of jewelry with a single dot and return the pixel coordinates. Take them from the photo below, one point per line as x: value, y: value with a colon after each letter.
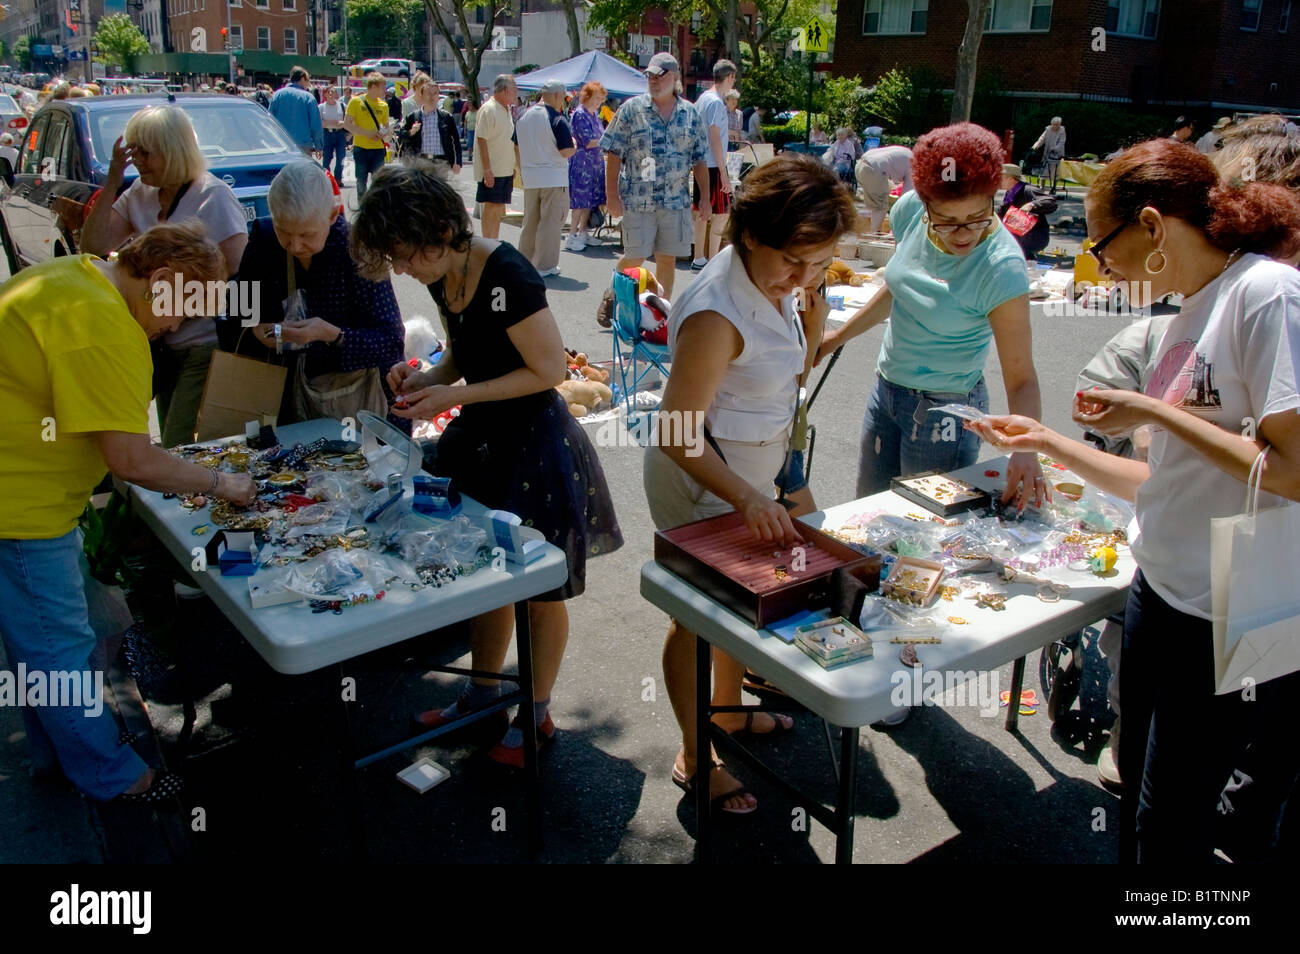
x: 347, y: 487
x: 333, y: 573
x: 466, y: 542
x: 323, y: 520
x: 890, y: 618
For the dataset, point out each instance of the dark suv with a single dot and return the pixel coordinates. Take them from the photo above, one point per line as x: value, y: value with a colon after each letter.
x: 67, y: 148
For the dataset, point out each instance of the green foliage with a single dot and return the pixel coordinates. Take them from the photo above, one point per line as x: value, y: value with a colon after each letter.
x: 383, y: 27
x: 120, y: 41
x: 778, y: 134
x: 777, y: 83
x: 617, y: 17
x: 526, y: 68
x: 22, y: 52
x: 106, y: 536
x: 1098, y: 128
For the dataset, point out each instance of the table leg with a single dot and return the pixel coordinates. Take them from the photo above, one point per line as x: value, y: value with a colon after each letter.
x: 703, y: 750
x: 532, y: 781
x: 1013, y: 703
x: 358, y: 850
x: 846, y: 809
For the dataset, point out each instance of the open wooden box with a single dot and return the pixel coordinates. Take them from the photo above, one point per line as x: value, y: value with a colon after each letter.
x: 759, y: 581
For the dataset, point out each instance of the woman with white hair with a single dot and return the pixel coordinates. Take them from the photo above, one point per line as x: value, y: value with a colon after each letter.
x: 843, y: 154
x: 352, y: 330
x: 1052, y: 142
x: 174, y: 185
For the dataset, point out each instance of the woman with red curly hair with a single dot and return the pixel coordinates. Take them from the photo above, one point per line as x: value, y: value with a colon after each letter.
x: 1162, y: 221
x: 956, y: 283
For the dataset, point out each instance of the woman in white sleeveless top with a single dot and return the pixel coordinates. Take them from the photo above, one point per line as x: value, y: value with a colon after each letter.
x: 738, y: 350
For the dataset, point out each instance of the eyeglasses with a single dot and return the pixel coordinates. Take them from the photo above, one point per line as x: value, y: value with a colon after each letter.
x: 1095, y: 251
x: 948, y: 228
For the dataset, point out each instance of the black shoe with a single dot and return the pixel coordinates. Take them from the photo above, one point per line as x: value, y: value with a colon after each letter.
x: 164, y: 790
x: 1068, y: 670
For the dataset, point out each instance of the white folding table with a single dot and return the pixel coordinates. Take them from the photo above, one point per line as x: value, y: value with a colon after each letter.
x: 293, y: 640
x: 858, y: 694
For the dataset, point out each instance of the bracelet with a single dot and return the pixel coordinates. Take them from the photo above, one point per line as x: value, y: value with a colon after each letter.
x: 338, y: 339
x: 212, y: 489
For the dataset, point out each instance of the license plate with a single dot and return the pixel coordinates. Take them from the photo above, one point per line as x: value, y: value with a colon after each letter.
x: 250, y: 213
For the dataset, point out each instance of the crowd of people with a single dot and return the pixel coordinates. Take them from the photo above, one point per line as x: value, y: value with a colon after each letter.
x: 1217, y: 223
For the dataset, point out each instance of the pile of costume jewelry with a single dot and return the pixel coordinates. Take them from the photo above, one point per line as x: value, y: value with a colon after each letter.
x: 328, y: 530
x: 985, y: 557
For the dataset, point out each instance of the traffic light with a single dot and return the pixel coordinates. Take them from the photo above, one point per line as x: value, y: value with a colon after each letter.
x: 225, y: 38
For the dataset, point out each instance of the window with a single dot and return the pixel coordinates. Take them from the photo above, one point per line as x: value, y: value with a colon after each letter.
x: 895, y: 16
x: 290, y: 4
x: 290, y: 40
x: 31, y: 162
x: 1284, y: 20
x: 1019, y: 16
x: 263, y: 38
x: 1138, y: 18
x: 236, y: 37
x: 263, y: 4
x: 233, y: 3
x: 1250, y: 14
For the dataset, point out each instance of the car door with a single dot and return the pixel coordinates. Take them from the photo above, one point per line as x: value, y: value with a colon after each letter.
x: 51, y: 166
x: 19, y: 213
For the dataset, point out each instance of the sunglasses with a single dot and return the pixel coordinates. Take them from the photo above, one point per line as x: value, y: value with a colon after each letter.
x: 1096, y: 250
x: 979, y: 225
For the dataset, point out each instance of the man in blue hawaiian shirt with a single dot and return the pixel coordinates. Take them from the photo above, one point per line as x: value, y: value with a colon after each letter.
x: 653, y: 146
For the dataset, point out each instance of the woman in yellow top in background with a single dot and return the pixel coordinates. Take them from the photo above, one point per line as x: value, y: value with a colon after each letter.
x: 74, y: 402
x: 367, y: 120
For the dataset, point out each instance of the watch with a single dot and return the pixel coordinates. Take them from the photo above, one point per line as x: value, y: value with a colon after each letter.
x: 338, y: 340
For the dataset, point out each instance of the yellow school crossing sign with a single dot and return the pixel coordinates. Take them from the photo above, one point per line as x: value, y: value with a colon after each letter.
x: 816, y: 36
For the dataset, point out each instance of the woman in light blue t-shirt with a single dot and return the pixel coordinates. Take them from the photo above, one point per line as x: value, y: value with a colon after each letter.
x: 956, y: 283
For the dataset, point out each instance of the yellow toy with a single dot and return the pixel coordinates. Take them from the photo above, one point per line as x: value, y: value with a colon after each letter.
x: 1103, y: 560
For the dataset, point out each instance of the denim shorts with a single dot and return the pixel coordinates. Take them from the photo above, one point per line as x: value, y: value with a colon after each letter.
x: 900, y: 436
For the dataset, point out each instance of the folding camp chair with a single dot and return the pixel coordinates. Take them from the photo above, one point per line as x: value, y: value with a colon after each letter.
x: 632, y: 356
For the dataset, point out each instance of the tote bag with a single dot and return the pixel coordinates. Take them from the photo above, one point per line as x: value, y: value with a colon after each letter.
x: 238, y: 390
x: 1255, y: 591
x: 338, y: 394
x: 1019, y: 222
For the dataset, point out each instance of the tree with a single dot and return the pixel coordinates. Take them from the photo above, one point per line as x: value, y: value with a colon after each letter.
x: 447, y: 14
x: 120, y: 41
x: 571, y: 22
x: 383, y: 27
x: 967, y: 54
x: 22, y: 52
x: 619, y: 17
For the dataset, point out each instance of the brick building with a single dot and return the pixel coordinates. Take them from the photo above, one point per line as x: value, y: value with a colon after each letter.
x: 1216, y: 55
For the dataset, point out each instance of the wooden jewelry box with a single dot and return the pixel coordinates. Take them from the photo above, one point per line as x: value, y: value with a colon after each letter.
x: 758, y: 581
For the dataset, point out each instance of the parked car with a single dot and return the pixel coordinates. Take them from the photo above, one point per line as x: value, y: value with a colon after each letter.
x: 389, y: 67
x: 13, y: 119
x: 67, y: 148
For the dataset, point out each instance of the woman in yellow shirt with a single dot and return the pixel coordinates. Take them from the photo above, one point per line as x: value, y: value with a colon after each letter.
x: 74, y: 400
x: 367, y: 120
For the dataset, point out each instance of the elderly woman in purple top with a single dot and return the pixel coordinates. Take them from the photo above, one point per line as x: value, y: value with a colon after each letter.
x: 587, y: 166
x: 353, y: 323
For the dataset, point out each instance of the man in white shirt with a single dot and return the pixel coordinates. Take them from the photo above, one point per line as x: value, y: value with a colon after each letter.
x: 545, y: 145
x: 494, y: 158
x: 712, y: 107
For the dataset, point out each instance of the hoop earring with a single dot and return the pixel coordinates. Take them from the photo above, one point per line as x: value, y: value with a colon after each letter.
x: 148, y: 296
x: 1163, y: 262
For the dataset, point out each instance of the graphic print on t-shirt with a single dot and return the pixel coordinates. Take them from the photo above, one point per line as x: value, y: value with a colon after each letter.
x: 1184, y: 378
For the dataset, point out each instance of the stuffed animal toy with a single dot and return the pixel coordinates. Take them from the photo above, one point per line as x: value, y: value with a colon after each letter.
x: 583, y: 397
x: 422, y: 339
x: 654, y: 319
x: 580, y: 370
x: 840, y: 274
x: 645, y: 280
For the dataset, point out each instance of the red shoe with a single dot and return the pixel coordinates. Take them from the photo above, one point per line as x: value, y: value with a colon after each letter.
x: 514, y: 757
x: 496, y: 724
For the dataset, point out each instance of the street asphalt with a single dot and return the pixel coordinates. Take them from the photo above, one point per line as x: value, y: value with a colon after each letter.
x: 949, y: 785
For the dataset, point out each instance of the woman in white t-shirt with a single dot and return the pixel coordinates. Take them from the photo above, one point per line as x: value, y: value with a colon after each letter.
x: 739, y: 349
x: 174, y: 186
x: 1223, y: 388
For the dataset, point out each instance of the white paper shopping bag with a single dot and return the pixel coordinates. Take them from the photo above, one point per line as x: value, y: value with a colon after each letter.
x: 1255, y: 592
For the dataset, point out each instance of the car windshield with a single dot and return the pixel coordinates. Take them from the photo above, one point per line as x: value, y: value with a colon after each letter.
x: 223, y: 132
x: 7, y: 105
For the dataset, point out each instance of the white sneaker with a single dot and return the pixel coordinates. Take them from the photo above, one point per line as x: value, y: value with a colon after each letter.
x: 574, y: 243
x: 546, y: 273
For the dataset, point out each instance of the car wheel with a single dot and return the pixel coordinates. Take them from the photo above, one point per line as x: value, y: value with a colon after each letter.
x: 11, y: 253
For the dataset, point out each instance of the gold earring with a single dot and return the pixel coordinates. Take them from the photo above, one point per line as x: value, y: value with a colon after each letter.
x: 148, y: 296
x: 1163, y: 262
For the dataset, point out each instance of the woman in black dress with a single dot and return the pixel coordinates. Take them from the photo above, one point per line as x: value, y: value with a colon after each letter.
x: 515, y: 446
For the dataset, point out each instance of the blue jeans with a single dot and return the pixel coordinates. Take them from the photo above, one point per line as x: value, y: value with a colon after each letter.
x: 336, y: 147
x: 366, y: 161
x: 469, y: 143
x: 46, y: 628
x: 900, y: 436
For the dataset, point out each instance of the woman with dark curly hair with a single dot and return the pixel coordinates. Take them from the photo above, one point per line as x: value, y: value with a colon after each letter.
x: 1162, y: 221
x: 515, y: 446
x: 956, y: 283
x: 739, y: 349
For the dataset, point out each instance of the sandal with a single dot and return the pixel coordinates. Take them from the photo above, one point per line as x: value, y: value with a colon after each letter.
x: 165, y: 789
x: 687, y: 785
x: 605, y: 309
x: 513, y: 757
x: 758, y: 685
x: 779, y: 727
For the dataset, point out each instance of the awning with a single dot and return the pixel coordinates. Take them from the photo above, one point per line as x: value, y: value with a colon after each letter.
x: 616, y: 76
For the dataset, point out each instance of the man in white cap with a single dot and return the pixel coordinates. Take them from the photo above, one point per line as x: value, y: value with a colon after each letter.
x: 653, y: 146
x: 545, y: 145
